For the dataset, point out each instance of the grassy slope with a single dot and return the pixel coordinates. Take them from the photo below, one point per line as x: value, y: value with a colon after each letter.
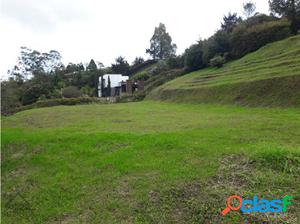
x: 147, y: 162
x: 267, y: 77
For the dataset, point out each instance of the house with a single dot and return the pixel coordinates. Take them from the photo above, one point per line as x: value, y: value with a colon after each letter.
x: 118, y: 84
x: 115, y: 83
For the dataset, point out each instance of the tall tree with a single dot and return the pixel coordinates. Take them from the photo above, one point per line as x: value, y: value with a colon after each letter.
x: 108, y: 87
x: 289, y: 9
x: 121, y: 66
x: 31, y: 62
x: 92, y: 66
x: 249, y: 8
x: 193, y: 59
x: 161, y: 45
x: 102, y: 86
x: 229, y: 22
x: 138, y: 61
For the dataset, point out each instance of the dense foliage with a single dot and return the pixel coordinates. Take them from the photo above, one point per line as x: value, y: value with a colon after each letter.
x: 235, y: 39
x: 248, y: 39
x: 289, y: 9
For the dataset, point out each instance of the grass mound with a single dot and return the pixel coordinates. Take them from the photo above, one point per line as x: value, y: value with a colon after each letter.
x: 267, y: 77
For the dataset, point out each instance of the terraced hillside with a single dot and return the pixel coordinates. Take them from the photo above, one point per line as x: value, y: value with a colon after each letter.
x: 267, y: 77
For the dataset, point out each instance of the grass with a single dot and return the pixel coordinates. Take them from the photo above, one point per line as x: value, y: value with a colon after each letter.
x: 147, y: 162
x: 263, y: 78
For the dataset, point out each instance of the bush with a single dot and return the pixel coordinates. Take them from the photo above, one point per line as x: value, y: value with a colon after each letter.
x: 131, y: 98
x: 175, y: 62
x: 217, y: 61
x: 71, y: 92
x: 247, y: 39
x: 193, y: 57
x: 32, y: 94
x: 159, y: 67
x: 258, y: 19
x: 88, y: 91
x: 10, y: 96
x: 218, y: 44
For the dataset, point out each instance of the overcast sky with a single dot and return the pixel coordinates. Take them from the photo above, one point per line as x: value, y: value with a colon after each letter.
x: 104, y: 29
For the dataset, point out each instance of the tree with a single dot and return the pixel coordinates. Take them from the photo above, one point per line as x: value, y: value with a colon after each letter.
x: 138, y: 61
x: 74, y: 67
x: 108, y: 87
x: 193, y: 57
x: 32, y: 93
x: 161, y: 45
x: 52, y: 61
x: 121, y: 66
x: 92, y: 66
x: 16, y: 74
x: 175, y: 62
x: 31, y: 62
x: 289, y: 9
x: 229, y: 22
x: 11, y: 94
x: 248, y: 39
x: 249, y: 8
x: 102, y: 86
x: 221, y: 42
x: 100, y: 65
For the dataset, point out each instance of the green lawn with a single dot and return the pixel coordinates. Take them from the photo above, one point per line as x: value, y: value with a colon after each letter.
x: 147, y: 162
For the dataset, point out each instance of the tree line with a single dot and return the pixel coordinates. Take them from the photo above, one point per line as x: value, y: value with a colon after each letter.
x: 42, y: 75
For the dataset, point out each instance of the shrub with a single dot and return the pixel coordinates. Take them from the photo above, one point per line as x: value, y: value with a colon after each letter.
x: 193, y: 57
x: 160, y: 66
x: 32, y: 94
x: 88, y: 91
x: 219, y: 43
x: 131, y: 98
x: 10, y: 96
x: 258, y: 19
x: 71, y: 92
x: 175, y: 62
x: 217, y: 61
x: 247, y: 39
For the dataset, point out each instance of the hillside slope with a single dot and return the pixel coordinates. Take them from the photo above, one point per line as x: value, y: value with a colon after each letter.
x: 267, y: 77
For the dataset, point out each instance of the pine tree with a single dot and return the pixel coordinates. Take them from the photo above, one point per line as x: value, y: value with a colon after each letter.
x: 108, y: 87
x: 102, y: 86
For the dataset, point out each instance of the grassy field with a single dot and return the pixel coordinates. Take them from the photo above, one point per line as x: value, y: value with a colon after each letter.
x: 147, y: 162
x: 267, y: 77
